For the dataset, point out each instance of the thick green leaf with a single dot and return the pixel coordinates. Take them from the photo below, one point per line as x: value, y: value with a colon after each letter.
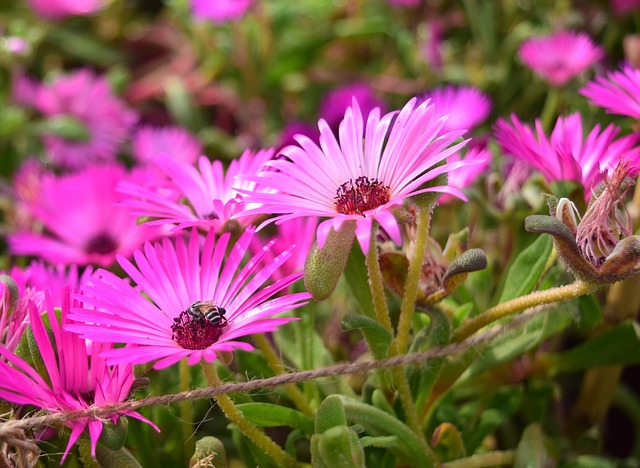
x: 619, y: 345
x: 377, y: 337
x: 268, y: 415
x: 532, y: 450
x: 330, y: 414
x: 355, y: 274
x: 527, y: 269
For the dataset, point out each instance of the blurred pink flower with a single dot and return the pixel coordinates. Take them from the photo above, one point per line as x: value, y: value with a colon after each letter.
x: 159, y: 315
x: 404, y: 3
x: 296, y: 235
x: 58, y: 9
x: 567, y: 155
x: 149, y: 142
x: 621, y: 7
x: 560, y: 57
x: 85, y: 99
x: 77, y: 376
x: 82, y: 221
x: 465, y: 176
x: 335, y: 102
x: 220, y: 11
x: 432, y: 45
x: 377, y: 163
x: 296, y: 128
x: 207, y: 197
x: 617, y: 93
x: 466, y: 106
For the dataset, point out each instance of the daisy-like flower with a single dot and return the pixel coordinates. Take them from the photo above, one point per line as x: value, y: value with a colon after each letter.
x: 466, y: 106
x: 55, y: 279
x: 220, y: 11
x: 58, y: 9
x: 149, y: 142
x: 560, y: 57
x: 336, y: 102
x: 82, y: 222
x: 188, y: 303
x: 373, y: 167
x: 212, y: 196
x: 85, y: 99
x: 77, y: 376
x: 567, y: 155
x: 465, y: 176
x: 617, y: 93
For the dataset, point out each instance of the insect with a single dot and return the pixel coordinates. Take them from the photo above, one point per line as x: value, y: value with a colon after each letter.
x: 209, y: 311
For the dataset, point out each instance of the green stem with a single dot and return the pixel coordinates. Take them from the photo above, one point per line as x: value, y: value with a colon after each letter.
x: 185, y: 408
x: 277, y: 366
x: 537, y: 298
x: 549, y: 109
x: 408, y: 305
x: 258, y: 437
x: 484, y: 460
x: 375, y: 282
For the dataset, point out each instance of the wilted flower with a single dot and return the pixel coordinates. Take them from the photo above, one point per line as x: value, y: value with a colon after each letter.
x: 617, y: 93
x: 567, y: 155
x: 83, y: 223
x: 207, y: 196
x: 371, y: 169
x: 82, y: 101
x: 220, y: 11
x: 149, y: 142
x: 58, y: 9
x: 188, y: 303
x: 335, y: 102
x: 77, y: 376
x: 466, y: 106
x: 560, y: 57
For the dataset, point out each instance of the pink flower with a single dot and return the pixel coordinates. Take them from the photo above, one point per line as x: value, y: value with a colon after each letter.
x: 176, y: 284
x: 77, y: 376
x: 465, y: 176
x: 560, y: 57
x: 336, y: 102
x: 621, y: 7
x: 82, y: 221
x: 204, y: 196
x: 55, y: 279
x: 220, y: 11
x: 13, y: 313
x: 86, y: 101
x: 58, y: 9
x: 149, y: 142
x: 618, y: 93
x: 287, y: 136
x: 466, y: 106
x: 566, y: 155
x: 372, y: 168
x: 296, y: 235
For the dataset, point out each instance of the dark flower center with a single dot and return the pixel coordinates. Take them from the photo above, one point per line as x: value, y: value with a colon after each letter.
x: 361, y: 195
x: 195, y: 330
x: 102, y: 243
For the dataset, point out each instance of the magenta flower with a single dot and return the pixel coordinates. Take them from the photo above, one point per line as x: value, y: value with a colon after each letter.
x: 336, y: 102
x: 621, y: 7
x: 560, y: 57
x: 617, y: 93
x: 296, y: 235
x: 176, y: 284
x: 287, y: 136
x: 82, y: 221
x: 206, y: 196
x: 13, y: 314
x: 58, y: 9
x: 372, y: 168
x: 566, y: 155
x: 220, y: 11
x: 78, y: 377
x: 465, y: 176
x: 55, y: 279
x: 466, y: 106
x: 149, y: 142
x: 86, y: 100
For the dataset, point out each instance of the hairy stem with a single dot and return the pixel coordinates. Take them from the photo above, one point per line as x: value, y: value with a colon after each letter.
x: 380, y: 305
x: 258, y: 437
x: 537, y: 298
x: 185, y: 409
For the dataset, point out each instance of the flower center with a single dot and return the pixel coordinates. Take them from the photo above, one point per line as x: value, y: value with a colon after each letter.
x: 102, y: 244
x: 361, y: 195
x: 199, y: 326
